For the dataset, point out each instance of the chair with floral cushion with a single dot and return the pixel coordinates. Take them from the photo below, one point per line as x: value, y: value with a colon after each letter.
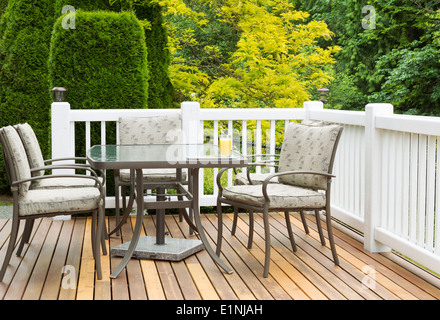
x: 304, y: 181
x: 249, y: 178
x: 30, y: 204
x: 149, y: 130
x: 37, y: 162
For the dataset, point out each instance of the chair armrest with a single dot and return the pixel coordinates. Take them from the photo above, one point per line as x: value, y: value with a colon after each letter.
x: 66, y: 166
x: 266, y: 181
x: 218, y: 179
x: 64, y: 159
x: 16, y: 183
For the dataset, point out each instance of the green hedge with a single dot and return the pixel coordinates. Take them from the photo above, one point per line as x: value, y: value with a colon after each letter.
x: 160, y: 90
x: 25, y: 31
x: 103, y: 62
x: 160, y: 94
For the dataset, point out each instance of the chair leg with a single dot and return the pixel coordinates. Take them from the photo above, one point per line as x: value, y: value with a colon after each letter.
x: 219, y: 228
x: 289, y: 230
x: 330, y: 235
x: 267, y: 241
x: 11, y: 245
x: 94, y: 240
x: 318, y: 224
x: 234, y: 221
x: 251, y: 229
x: 29, y: 224
x: 116, y: 208
x: 104, y: 234
x: 304, y: 222
x: 180, y: 198
x: 98, y: 242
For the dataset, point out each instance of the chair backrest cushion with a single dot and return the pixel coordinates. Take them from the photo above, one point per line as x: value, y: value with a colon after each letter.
x: 16, y: 157
x: 308, y: 148
x: 151, y: 130
x: 32, y: 147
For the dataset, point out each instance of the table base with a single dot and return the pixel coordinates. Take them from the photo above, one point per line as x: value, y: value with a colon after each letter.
x: 174, y: 249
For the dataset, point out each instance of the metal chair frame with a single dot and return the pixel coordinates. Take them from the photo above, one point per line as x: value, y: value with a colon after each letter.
x: 266, y: 207
x: 97, y: 214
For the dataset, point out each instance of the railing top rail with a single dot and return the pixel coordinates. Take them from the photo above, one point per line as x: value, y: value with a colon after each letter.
x: 339, y: 116
x: 115, y: 114
x: 409, y: 123
x: 252, y: 114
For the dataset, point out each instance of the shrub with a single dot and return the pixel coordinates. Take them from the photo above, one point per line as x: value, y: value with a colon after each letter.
x: 24, y: 87
x: 103, y: 62
x: 160, y: 90
x: 160, y: 93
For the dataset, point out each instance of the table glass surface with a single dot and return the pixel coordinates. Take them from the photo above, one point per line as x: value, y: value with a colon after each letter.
x: 163, y: 155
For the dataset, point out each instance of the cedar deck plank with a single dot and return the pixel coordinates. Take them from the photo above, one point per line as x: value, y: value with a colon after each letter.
x: 307, y: 273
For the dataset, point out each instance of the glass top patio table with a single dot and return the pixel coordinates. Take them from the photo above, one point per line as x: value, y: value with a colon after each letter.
x: 138, y: 157
x: 162, y: 156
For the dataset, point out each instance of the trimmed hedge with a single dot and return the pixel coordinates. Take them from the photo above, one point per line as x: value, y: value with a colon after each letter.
x: 25, y: 32
x: 160, y: 89
x: 160, y: 94
x: 102, y: 63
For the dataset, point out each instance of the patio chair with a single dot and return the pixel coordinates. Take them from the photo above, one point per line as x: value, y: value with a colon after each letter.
x: 149, y: 130
x: 250, y: 178
x: 29, y: 204
x: 37, y: 162
x: 304, y: 175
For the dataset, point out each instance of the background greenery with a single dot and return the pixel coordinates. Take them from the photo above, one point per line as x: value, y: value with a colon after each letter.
x: 25, y: 35
x: 243, y: 54
x: 25, y: 30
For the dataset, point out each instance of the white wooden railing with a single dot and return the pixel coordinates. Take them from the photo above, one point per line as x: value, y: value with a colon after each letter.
x: 387, y: 182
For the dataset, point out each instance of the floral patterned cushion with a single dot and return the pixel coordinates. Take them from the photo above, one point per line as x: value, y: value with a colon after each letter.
x: 56, y: 183
x: 32, y: 147
x: 45, y: 201
x: 280, y: 195
x: 151, y: 130
x: 153, y: 175
x: 307, y: 148
x: 19, y: 161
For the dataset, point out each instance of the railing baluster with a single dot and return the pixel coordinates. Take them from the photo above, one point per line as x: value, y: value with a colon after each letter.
x: 103, y: 133
x: 258, y: 138
x: 215, y: 169
x: 430, y: 189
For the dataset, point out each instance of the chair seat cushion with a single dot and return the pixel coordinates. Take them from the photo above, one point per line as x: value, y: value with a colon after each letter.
x: 257, y: 178
x: 153, y: 175
x: 280, y: 195
x: 47, y: 201
x: 56, y: 183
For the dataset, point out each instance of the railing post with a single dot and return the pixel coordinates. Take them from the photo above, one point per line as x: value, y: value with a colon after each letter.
x: 373, y: 158
x: 61, y: 138
x: 191, y: 121
x: 312, y: 106
x: 61, y: 135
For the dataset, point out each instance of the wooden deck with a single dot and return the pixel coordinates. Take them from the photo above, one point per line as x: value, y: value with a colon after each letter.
x: 307, y: 274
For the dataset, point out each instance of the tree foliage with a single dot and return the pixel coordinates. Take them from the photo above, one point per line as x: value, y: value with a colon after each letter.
x: 24, y: 49
x: 395, y: 61
x: 271, y: 59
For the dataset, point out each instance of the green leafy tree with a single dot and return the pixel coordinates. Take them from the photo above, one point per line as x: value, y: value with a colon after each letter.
x: 274, y: 62
x: 25, y: 30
